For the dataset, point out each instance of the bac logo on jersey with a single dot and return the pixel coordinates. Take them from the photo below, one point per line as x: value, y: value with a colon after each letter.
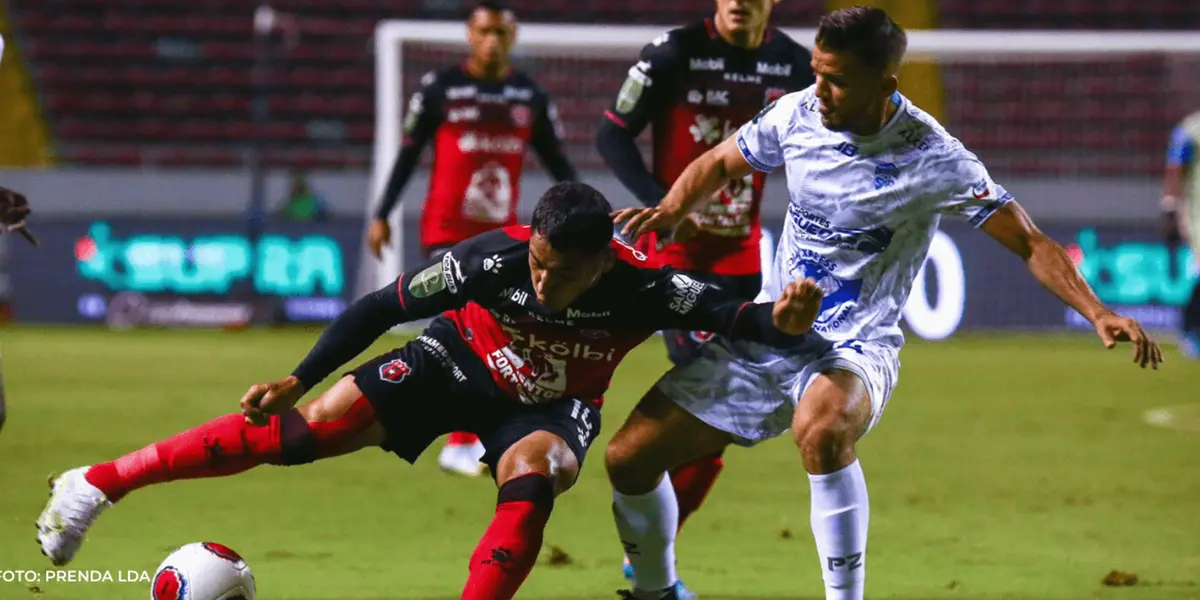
x: 522, y: 115
x: 394, y: 371
x: 465, y: 113
x: 169, y: 584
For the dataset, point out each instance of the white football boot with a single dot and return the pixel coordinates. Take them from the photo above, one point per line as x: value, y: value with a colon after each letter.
x: 73, y: 507
x: 462, y: 459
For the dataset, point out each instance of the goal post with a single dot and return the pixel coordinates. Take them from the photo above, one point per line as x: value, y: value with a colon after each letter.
x: 1024, y: 49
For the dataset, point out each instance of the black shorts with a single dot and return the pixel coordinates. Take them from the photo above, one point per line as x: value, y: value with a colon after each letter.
x: 683, y: 346
x: 435, y: 384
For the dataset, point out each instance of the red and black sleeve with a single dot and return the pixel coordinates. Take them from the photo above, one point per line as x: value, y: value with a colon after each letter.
x: 420, y: 124
x: 677, y: 300
x: 643, y: 98
x: 547, y: 140
x: 436, y: 286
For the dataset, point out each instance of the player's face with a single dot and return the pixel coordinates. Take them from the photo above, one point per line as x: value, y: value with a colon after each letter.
x: 559, y: 279
x: 744, y: 16
x: 490, y: 35
x: 851, y: 93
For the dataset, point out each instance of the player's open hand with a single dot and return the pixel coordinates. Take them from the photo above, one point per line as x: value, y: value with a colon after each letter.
x: 797, y: 307
x: 266, y: 399
x: 378, y: 236
x: 1113, y: 328
x: 14, y: 210
x: 641, y: 221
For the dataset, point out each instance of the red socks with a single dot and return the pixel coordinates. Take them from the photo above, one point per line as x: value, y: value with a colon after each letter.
x: 511, y: 544
x: 228, y: 445
x: 693, y: 481
x: 461, y: 438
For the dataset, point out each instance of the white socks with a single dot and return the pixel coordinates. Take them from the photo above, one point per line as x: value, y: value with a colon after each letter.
x: 839, y: 523
x: 647, y: 524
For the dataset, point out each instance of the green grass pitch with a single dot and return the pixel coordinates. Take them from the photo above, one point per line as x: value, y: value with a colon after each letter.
x: 1005, y: 467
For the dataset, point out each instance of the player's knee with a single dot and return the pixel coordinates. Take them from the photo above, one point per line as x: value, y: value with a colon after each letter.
x: 540, y: 452
x: 334, y: 421
x: 824, y: 439
x: 628, y: 472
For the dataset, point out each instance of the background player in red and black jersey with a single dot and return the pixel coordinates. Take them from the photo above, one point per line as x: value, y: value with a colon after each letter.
x: 536, y: 320
x: 694, y: 86
x: 480, y: 116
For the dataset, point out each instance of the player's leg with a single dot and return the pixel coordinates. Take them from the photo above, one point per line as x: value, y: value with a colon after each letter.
x: 828, y: 419
x: 657, y: 436
x: 338, y: 421
x: 462, y: 453
x: 694, y: 481
x: 841, y: 396
x: 540, y: 453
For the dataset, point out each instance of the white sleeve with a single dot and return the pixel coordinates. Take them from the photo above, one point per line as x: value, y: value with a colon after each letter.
x: 969, y: 191
x: 1, y: 49
x: 761, y: 139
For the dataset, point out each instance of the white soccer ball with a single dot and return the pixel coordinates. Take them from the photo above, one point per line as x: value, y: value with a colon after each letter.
x: 203, y: 571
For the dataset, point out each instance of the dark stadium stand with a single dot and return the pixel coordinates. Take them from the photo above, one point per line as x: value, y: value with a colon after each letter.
x: 166, y: 83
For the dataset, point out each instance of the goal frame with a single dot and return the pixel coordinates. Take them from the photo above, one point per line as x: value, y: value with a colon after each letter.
x: 945, y: 45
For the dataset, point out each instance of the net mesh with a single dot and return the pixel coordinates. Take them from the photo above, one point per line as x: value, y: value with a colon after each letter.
x: 1028, y: 115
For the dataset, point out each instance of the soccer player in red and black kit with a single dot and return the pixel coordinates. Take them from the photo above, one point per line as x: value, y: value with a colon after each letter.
x: 694, y: 86
x: 14, y: 210
x: 480, y: 116
x: 534, y: 320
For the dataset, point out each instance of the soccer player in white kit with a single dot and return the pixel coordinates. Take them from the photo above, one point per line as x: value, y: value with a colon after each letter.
x: 869, y: 176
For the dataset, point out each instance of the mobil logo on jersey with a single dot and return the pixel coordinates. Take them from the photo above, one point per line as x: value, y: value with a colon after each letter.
x: 841, y: 295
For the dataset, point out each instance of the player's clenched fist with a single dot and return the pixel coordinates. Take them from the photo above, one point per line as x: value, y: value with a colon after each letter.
x: 266, y: 399
x: 797, y: 307
x: 14, y: 210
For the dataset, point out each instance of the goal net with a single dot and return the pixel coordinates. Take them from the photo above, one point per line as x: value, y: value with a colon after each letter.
x: 1043, y: 109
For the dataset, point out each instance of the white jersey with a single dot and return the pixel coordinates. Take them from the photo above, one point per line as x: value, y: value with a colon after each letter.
x: 863, y: 210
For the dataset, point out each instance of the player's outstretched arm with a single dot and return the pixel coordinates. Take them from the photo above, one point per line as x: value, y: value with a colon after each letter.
x: 694, y: 188
x: 1011, y: 226
x: 677, y: 300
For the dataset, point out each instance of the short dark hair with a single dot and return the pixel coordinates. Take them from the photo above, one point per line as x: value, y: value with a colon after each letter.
x: 866, y: 32
x: 575, y: 218
x: 491, y: 6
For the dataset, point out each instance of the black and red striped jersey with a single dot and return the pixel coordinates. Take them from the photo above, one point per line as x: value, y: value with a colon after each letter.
x: 694, y: 90
x: 479, y: 130
x: 484, y: 287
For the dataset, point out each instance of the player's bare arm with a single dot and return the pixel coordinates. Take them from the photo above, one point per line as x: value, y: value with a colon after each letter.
x: 1049, y: 263
x: 694, y: 188
x: 14, y: 211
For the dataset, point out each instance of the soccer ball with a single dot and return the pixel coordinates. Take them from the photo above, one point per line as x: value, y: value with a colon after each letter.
x: 203, y: 571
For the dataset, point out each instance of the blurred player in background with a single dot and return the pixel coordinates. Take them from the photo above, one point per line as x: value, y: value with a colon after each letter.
x: 480, y: 116
x: 694, y: 86
x: 869, y: 176
x: 1181, y: 209
x: 14, y: 210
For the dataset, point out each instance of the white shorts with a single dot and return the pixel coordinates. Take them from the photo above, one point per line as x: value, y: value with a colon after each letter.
x: 750, y: 391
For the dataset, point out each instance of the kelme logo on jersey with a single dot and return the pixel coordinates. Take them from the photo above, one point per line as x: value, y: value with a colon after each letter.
x: 427, y: 282
x: 686, y: 293
x: 841, y: 295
